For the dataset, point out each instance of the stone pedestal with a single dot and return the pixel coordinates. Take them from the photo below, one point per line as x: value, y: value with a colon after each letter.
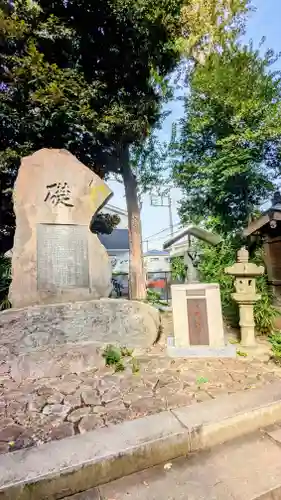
x: 198, y: 324
x: 247, y: 324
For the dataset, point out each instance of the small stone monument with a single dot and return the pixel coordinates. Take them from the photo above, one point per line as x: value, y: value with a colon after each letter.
x: 197, y: 313
x: 55, y: 257
x: 198, y: 324
x: 245, y: 294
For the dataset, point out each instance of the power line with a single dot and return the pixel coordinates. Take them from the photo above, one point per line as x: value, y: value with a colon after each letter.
x: 160, y: 232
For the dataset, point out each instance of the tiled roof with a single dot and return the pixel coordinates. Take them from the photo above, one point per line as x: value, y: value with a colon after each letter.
x: 155, y: 252
x: 117, y: 240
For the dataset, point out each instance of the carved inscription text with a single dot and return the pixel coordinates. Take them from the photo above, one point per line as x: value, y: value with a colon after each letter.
x: 62, y: 256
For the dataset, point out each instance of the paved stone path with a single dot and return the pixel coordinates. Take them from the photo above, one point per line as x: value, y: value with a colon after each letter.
x: 35, y: 411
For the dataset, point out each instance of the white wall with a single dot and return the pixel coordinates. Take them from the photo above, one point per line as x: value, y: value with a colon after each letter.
x: 157, y: 263
x: 123, y: 224
x: 120, y: 262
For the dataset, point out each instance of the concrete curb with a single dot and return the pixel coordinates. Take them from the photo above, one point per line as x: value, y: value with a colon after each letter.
x: 63, y: 468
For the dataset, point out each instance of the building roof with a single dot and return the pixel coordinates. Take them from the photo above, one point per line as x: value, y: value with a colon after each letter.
x: 117, y: 210
x: 273, y: 213
x: 196, y: 231
x: 151, y: 253
x: 117, y: 240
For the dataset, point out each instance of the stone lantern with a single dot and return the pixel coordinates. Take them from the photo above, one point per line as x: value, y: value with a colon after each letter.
x: 245, y: 294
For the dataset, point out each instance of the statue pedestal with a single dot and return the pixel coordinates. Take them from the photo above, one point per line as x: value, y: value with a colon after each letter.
x: 246, y: 318
x: 227, y: 351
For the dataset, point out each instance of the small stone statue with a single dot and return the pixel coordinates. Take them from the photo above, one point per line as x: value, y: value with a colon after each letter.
x: 191, y: 271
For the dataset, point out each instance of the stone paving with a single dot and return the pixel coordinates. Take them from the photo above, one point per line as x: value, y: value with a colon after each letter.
x: 37, y: 410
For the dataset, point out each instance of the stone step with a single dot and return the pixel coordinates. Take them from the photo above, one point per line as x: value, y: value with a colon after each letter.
x: 247, y: 468
x: 63, y: 468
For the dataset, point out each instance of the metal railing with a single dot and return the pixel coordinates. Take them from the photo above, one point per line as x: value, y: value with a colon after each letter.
x: 159, y: 282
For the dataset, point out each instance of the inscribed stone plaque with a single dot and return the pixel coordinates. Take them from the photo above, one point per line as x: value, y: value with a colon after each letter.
x: 62, y: 256
x: 198, y: 293
x: 197, y: 322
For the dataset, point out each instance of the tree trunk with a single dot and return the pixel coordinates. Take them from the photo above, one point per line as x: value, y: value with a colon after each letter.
x: 136, y: 274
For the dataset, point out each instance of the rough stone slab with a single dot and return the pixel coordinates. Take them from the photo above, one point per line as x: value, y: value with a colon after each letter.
x: 76, y: 415
x: 34, y: 329
x: 229, y: 351
x: 231, y: 416
x: 51, y: 360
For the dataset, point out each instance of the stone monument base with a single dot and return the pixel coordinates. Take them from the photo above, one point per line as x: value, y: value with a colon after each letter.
x: 36, y: 329
x: 199, y: 351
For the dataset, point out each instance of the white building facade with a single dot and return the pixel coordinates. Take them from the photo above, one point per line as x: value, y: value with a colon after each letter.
x: 112, y: 210
x: 157, y: 261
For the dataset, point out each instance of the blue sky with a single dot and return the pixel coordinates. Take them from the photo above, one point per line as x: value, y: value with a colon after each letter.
x: 264, y: 22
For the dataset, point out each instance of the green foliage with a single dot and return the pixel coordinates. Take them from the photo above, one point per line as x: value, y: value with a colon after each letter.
x: 178, y: 269
x: 119, y: 367
x: 126, y: 352
x: 89, y: 77
x: 153, y: 297
x: 265, y: 313
x: 242, y: 354
x: 275, y: 340
x: 201, y: 380
x: 104, y: 223
x: 112, y: 355
x: 211, y: 25
x: 230, y: 147
x: 214, y: 260
x: 150, y: 161
x: 5, y: 281
x: 135, y: 366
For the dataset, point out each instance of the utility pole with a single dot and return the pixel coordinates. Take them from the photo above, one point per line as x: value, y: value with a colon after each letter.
x: 164, y: 201
x: 170, y: 215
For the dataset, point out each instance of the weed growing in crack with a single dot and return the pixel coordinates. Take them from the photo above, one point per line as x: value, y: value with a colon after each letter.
x: 114, y: 356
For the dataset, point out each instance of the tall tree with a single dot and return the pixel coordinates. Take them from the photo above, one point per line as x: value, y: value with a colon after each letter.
x: 210, y: 25
x: 85, y: 75
x: 230, y: 144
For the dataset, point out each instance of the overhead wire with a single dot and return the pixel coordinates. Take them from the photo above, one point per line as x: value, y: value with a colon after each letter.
x: 160, y: 232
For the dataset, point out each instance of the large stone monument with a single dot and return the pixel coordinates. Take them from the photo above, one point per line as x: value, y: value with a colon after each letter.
x: 55, y: 257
